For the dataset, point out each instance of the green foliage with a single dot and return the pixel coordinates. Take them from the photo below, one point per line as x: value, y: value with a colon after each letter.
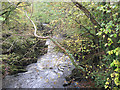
x: 110, y: 35
x: 46, y: 13
x: 19, y: 46
x: 95, y: 48
x: 19, y: 51
x: 84, y: 46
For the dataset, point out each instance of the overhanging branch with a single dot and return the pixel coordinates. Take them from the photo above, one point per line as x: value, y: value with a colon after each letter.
x: 85, y: 29
x: 87, y: 13
x: 35, y: 32
x: 12, y: 9
x: 56, y: 43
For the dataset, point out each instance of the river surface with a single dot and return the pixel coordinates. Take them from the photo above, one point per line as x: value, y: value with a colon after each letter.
x: 49, y: 71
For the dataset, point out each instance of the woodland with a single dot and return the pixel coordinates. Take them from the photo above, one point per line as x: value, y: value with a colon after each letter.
x: 91, y: 32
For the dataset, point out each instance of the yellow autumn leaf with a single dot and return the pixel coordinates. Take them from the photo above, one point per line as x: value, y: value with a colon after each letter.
x: 107, y: 83
x: 54, y: 82
x: 47, y: 80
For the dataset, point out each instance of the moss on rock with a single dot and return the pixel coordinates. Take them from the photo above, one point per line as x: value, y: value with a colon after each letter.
x: 19, y: 51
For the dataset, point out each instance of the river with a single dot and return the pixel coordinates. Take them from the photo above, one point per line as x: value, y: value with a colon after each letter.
x: 49, y: 71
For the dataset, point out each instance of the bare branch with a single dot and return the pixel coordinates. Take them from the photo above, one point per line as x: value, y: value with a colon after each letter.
x: 85, y: 29
x: 9, y: 50
x: 6, y: 8
x: 35, y: 32
x: 55, y: 42
x: 31, y: 10
x: 12, y: 9
x: 88, y: 14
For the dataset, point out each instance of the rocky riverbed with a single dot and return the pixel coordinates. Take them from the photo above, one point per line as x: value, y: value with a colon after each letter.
x: 49, y: 71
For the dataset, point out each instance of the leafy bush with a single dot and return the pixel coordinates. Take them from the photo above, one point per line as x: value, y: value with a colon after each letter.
x: 94, y: 49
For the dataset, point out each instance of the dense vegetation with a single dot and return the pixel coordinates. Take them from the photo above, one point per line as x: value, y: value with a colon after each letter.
x: 90, y: 31
x: 19, y: 45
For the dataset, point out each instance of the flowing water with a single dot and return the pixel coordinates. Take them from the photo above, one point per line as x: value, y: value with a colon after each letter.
x: 49, y: 71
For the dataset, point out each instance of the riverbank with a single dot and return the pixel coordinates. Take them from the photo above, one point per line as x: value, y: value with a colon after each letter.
x: 49, y: 72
